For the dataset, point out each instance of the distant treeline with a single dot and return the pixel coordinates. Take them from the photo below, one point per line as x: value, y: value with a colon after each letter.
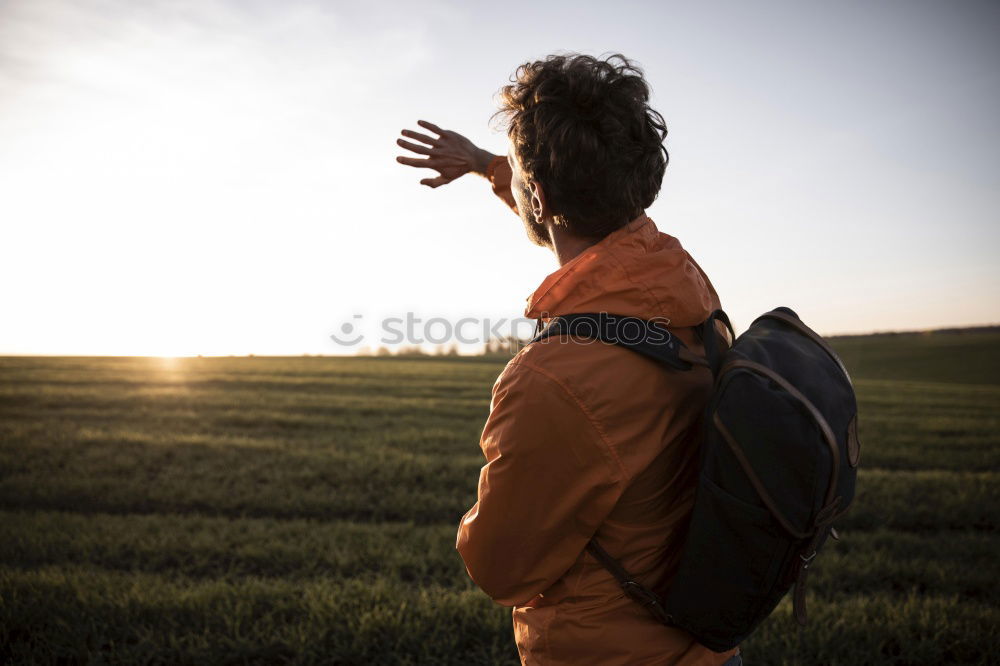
x: 494, y: 348
x: 991, y: 328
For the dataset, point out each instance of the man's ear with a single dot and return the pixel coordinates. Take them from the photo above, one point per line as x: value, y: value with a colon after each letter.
x: 538, y: 205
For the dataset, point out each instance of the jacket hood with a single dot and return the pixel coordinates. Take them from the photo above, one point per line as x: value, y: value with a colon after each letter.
x: 636, y: 271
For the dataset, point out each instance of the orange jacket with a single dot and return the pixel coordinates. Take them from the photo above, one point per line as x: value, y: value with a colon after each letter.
x: 592, y: 439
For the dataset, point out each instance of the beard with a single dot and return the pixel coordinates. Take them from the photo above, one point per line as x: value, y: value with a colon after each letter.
x: 535, y: 230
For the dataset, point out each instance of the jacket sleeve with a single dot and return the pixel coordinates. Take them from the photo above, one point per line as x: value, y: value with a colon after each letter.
x: 549, y: 482
x: 499, y: 174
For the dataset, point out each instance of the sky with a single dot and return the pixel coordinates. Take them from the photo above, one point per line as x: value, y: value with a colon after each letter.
x: 219, y: 177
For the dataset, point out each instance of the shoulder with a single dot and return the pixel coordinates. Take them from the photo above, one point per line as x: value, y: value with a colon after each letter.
x: 532, y: 379
x: 573, y: 366
x: 578, y: 379
x: 594, y: 373
x: 634, y: 404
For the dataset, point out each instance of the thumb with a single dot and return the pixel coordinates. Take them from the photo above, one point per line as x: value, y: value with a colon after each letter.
x: 435, y: 182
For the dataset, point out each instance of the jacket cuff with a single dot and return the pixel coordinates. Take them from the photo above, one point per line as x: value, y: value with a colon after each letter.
x: 498, y: 169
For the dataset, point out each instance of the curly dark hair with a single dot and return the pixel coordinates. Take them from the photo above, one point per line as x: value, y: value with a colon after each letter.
x: 582, y: 127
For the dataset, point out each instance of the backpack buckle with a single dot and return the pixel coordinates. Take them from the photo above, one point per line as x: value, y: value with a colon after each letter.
x: 639, y: 593
x: 647, y: 598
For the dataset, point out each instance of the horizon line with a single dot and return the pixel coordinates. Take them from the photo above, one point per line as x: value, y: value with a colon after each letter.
x: 372, y: 352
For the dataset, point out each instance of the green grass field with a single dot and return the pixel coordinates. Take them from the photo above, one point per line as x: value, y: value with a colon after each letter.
x: 303, y: 510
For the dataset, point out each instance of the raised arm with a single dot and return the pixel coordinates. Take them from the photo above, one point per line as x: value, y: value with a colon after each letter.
x: 452, y: 156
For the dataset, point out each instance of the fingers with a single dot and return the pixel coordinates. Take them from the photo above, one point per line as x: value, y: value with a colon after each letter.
x: 433, y: 162
x: 413, y: 161
x: 431, y: 126
x: 419, y: 137
x: 422, y: 150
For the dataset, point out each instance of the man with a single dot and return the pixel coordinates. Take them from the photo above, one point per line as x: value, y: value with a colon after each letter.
x: 585, y: 440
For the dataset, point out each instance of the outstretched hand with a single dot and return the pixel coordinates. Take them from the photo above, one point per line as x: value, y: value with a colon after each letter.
x: 450, y: 154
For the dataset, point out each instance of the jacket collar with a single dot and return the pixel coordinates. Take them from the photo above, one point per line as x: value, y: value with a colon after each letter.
x: 635, y: 271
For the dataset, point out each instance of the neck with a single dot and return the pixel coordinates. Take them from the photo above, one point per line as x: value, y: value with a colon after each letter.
x: 565, y: 245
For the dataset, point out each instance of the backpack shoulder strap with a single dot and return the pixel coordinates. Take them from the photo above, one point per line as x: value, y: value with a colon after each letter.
x: 641, y: 336
x: 710, y: 339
